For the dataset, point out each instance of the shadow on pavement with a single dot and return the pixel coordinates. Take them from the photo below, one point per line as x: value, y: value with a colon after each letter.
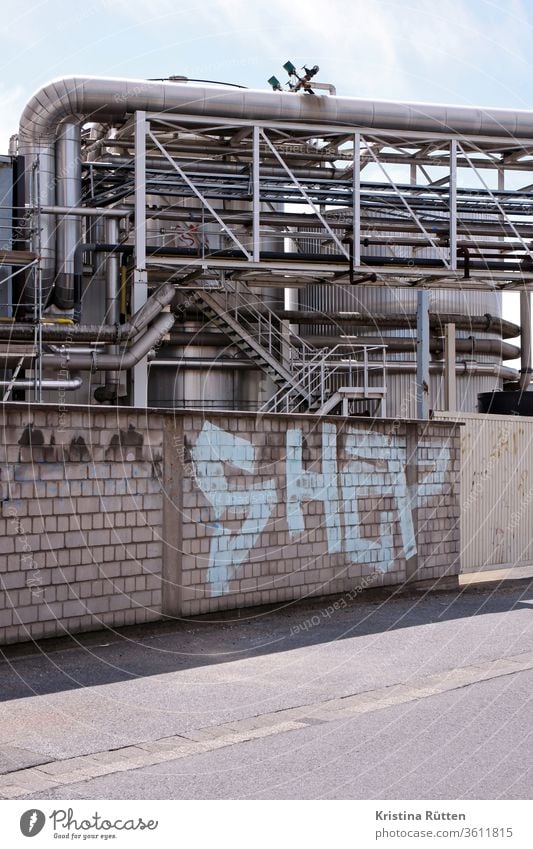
x: 109, y: 656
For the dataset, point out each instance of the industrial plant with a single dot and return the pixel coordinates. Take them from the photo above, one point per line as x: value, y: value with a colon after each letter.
x: 253, y: 348
x: 173, y: 244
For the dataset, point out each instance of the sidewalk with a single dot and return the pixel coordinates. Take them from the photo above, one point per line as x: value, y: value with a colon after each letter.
x: 176, y: 693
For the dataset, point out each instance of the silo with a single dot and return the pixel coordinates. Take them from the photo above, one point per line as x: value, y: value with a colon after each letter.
x: 334, y: 299
x: 209, y: 379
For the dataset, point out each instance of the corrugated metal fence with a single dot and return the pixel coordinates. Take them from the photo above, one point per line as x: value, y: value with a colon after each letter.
x: 496, y: 490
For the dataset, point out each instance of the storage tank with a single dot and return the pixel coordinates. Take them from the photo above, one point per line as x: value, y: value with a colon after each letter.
x: 334, y: 299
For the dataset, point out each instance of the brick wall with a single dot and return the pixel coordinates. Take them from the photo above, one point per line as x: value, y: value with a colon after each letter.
x: 117, y: 516
x: 279, y: 508
x: 81, y: 520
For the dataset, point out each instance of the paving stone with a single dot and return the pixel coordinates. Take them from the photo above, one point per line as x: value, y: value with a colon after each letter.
x: 13, y: 758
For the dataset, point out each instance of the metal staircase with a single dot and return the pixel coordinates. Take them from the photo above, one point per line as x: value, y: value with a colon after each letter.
x: 307, y: 377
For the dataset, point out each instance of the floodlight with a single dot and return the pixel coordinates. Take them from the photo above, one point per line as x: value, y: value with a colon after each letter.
x: 289, y: 67
x: 275, y: 83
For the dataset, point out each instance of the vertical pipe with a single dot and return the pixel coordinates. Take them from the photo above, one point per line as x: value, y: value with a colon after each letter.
x: 453, y: 205
x: 112, y: 300
x: 68, y: 194
x: 356, y: 224
x: 140, y: 278
x: 422, y: 354
x: 525, y: 340
x: 41, y: 192
x: 450, y: 385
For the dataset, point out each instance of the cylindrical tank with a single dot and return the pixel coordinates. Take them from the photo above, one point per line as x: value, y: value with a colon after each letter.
x: 220, y: 386
x: 508, y: 403
x: 333, y: 298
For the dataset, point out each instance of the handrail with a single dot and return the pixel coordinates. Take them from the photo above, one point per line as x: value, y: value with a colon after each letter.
x: 317, y: 373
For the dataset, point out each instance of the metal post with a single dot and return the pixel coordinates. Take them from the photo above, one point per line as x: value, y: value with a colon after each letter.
x: 422, y: 354
x: 450, y: 383
x: 256, y: 204
x: 139, y: 394
x: 525, y: 339
x: 356, y: 200
x: 453, y: 205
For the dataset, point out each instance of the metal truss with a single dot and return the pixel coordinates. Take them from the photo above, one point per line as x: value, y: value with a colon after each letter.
x: 336, y: 203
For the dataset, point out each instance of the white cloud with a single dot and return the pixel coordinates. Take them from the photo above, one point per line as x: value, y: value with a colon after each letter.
x: 383, y: 48
x: 11, y: 98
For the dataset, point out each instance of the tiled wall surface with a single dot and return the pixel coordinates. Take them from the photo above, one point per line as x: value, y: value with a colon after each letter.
x: 280, y: 508
x: 117, y: 516
x: 81, y: 520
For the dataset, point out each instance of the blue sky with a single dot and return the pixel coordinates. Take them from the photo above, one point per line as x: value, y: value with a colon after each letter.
x: 463, y: 51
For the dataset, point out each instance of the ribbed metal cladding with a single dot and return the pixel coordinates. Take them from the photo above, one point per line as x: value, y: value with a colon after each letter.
x: 329, y: 299
x: 496, y: 491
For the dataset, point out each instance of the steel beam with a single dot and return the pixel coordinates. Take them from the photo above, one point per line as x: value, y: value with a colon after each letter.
x: 356, y: 178
x: 139, y: 295
x: 450, y: 377
x: 453, y: 204
x: 256, y: 204
x: 422, y: 354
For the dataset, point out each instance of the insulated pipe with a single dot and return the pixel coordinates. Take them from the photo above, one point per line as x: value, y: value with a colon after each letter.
x: 401, y: 344
x: 110, y: 362
x: 95, y: 361
x: 112, y: 312
x: 525, y: 340
x: 198, y: 362
x: 45, y: 383
x: 68, y: 230
x: 105, y: 99
x: 483, y: 369
x: 482, y: 323
x: 164, y: 295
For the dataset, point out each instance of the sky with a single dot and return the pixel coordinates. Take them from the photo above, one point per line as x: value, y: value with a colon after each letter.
x: 473, y: 52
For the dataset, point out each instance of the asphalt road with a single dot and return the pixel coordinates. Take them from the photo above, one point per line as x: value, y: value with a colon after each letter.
x: 470, y: 740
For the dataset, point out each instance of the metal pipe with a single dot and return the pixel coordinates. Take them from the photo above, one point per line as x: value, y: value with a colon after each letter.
x: 478, y: 323
x: 526, y: 369
x: 400, y: 344
x: 109, y: 362
x: 488, y: 369
x: 45, y: 383
x: 196, y: 362
x: 95, y: 361
x: 111, y: 225
x: 68, y: 230
x: 105, y: 99
x: 86, y: 211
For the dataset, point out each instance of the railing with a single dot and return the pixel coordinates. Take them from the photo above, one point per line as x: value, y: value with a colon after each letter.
x: 312, y: 371
x: 315, y: 378
x: 238, y: 301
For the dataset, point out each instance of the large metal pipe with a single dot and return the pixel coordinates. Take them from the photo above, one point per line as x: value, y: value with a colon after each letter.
x: 109, y: 362
x: 466, y: 367
x: 403, y: 344
x: 96, y: 361
x: 68, y: 194
x: 478, y: 323
x: 164, y: 295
